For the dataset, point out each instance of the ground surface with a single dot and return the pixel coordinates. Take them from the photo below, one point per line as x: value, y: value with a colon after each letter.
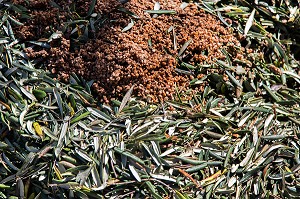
x: 225, y: 73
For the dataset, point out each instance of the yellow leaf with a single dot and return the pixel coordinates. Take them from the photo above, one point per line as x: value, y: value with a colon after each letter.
x: 38, y: 129
x: 72, y: 110
x: 179, y: 195
x: 57, y: 172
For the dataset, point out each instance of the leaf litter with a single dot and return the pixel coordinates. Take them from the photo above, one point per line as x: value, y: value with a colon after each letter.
x: 238, y: 138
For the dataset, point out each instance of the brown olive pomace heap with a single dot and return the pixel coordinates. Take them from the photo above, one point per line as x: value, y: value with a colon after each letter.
x: 144, y: 56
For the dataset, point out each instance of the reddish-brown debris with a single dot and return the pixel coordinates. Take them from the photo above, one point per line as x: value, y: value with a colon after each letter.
x: 145, y: 55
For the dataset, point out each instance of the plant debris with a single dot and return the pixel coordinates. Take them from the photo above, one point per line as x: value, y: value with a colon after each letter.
x: 236, y: 137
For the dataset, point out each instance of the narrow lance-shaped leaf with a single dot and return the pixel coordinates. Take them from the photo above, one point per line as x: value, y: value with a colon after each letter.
x: 22, y: 115
x: 249, y: 22
x: 28, y: 94
x: 20, y: 188
x: 268, y: 123
x: 248, y: 157
x: 59, y: 101
x: 134, y: 173
x: 129, y: 26
x: 41, y: 44
x: 96, y: 176
x: 184, y: 47
x: 126, y: 99
x: 133, y: 157
x: 161, y: 11
x: 80, y: 117
x: 62, y: 136
x: 281, y: 52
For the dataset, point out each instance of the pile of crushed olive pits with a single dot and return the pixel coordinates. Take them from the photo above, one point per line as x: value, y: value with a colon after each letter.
x: 144, y: 56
